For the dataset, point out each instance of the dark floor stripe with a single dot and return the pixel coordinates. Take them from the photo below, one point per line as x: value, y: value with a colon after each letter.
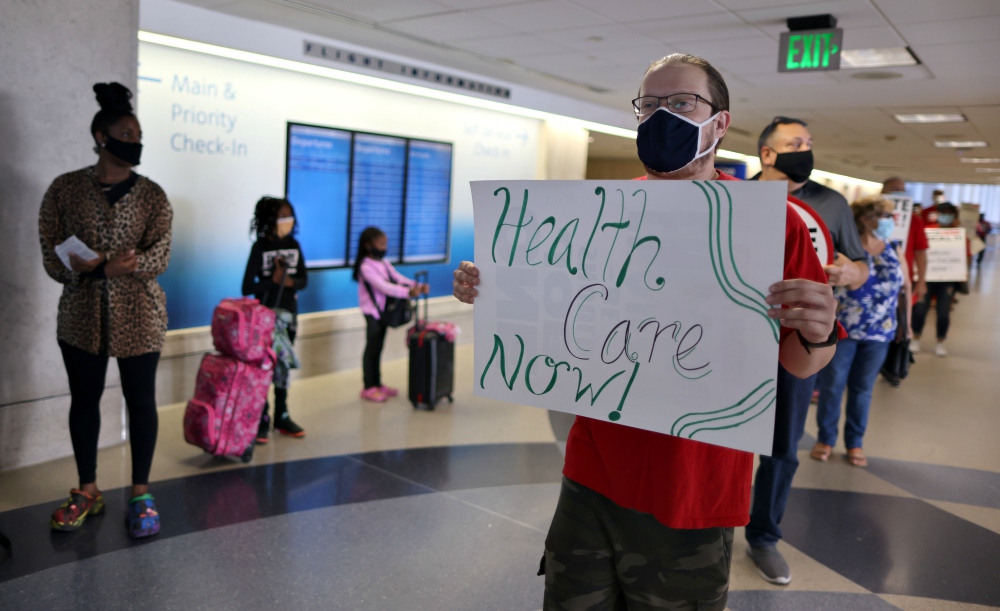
x: 771, y: 600
x: 221, y: 498
x: 894, y: 545
x: 952, y: 484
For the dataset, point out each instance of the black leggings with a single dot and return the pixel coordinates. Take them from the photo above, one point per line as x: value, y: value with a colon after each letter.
x: 371, y: 363
x: 86, y: 374
x: 943, y: 291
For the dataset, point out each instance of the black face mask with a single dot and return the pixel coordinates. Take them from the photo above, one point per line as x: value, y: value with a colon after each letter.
x: 129, y: 152
x: 378, y: 253
x: 796, y: 166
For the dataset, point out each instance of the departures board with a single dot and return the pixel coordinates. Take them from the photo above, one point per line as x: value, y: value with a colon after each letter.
x: 341, y: 181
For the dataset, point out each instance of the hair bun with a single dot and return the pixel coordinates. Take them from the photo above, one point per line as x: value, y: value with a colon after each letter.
x: 113, y: 96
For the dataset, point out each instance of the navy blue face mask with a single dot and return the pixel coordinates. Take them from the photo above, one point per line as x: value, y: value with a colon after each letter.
x: 667, y: 141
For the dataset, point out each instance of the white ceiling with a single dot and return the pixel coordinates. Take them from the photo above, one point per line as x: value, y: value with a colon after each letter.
x: 597, y: 50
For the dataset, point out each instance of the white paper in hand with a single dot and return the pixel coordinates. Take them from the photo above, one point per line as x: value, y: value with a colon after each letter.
x: 75, y: 246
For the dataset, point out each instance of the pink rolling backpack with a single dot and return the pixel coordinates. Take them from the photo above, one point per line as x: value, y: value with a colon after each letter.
x: 231, y: 387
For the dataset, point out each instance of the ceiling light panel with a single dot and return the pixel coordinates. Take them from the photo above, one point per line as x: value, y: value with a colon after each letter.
x: 932, y: 118
x: 959, y: 144
x: 877, y: 58
x: 980, y: 159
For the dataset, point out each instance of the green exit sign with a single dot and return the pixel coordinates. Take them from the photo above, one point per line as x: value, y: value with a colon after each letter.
x: 808, y: 50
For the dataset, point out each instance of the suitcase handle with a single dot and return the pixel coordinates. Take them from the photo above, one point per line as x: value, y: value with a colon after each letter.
x: 426, y: 280
x: 281, y: 288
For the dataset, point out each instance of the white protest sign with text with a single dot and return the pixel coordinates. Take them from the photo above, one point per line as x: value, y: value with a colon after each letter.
x: 968, y: 218
x: 903, y: 218
x: 947, y: 257
x: 638, y: 303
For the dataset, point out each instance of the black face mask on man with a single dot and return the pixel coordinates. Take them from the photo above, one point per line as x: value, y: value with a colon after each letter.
x: 796, y: 166
x: 129, y: 152
x: 667, y: 141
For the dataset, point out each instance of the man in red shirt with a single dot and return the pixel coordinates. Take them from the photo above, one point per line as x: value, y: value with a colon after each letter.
x: 646, y: 520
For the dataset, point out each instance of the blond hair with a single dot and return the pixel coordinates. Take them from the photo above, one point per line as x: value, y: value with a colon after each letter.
x: 717, y: 87
x: 869, y: 205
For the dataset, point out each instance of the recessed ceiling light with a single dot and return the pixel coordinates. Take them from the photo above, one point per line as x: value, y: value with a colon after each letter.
x: 932, y: 118
x: 988, y: 169
x: 876, y: 75
x: 959, y: 144
x: 877, y: 58
x: 980, y: 159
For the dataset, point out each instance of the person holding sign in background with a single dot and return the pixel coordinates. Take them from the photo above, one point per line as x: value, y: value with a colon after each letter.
x: 941, y: 215
x: 276, y: 255
x: 645, y: 520
x: 916, y: 245
x: 785, y: 148
x: 112, y: 305
x: 869, y: 315
x: 378, y: 282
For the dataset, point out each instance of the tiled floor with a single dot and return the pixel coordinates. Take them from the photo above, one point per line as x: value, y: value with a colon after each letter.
x: 381, y: 507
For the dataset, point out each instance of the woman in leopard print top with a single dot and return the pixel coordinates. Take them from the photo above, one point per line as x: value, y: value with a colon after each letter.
x: 112, y: 305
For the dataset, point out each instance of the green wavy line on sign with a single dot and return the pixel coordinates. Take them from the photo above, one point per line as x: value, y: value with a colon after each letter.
x: 732, y: 257
x: 719, y: 242
x: 675, y: 431
x: 728, y: 417
x: 734, y: 425
x: 715, y: 244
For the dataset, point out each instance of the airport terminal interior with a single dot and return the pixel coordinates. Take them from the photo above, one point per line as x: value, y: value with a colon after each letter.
x: 381, y: 113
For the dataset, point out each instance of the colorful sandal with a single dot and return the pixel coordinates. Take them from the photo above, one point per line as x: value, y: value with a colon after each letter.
x: 72, y: 514
x: 820, y: 452
x: 141, y: 518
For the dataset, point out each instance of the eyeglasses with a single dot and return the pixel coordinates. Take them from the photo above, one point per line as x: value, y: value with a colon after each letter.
x: 680, y: 103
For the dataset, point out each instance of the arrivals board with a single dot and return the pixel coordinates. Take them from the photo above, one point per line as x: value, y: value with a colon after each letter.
x: 341, y: 181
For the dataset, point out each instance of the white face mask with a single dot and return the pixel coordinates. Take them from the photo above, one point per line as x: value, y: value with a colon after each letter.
x: 939, y: 199
x: 285, y: 226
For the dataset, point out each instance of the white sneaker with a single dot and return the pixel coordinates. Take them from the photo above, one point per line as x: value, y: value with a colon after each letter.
x: 940, y: 350
x: 914, y: 345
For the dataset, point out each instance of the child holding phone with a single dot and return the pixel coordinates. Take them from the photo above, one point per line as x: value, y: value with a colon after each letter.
x: 275, y: 255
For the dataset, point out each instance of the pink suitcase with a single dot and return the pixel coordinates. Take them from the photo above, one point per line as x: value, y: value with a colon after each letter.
x: 243, y: 329
x: 229, y: 396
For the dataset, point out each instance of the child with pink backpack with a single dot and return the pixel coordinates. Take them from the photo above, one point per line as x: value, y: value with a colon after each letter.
x: 276, y: 255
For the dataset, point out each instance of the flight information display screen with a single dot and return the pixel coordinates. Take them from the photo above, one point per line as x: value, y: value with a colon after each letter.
x: 342, y: 181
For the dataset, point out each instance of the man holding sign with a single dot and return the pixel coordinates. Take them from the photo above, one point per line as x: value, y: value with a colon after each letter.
x: 645, y: 519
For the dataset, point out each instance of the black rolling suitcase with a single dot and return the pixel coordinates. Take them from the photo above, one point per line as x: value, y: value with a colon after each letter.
x: 432, y: 361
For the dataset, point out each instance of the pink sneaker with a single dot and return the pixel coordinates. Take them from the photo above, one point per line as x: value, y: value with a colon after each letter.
x: 373, y: 394
x: 388, y: 392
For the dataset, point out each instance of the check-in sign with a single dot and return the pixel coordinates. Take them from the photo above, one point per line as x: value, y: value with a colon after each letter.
x: 809, y: 50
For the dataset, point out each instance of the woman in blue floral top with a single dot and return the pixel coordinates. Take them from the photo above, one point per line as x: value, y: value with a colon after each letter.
x: 868, y: 313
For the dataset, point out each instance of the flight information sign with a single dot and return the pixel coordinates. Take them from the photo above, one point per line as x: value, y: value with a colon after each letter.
x: 341, y: 181
x: 428, y: 197
x: 319, y: 167
x: 377, y: 183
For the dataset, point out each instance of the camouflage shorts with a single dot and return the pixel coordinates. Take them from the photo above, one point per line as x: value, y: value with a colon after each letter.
x: 602, y: 557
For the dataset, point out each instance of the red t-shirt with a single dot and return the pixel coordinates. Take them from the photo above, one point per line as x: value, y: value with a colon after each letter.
x: 916, y: 241
x: 681, y: 482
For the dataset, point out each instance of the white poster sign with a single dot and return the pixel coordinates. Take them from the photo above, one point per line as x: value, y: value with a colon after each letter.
x: 637, y: 303
x: 818, y: 232
x: 947, y: 259
x: 903, y: 218
x: 968, y: 217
